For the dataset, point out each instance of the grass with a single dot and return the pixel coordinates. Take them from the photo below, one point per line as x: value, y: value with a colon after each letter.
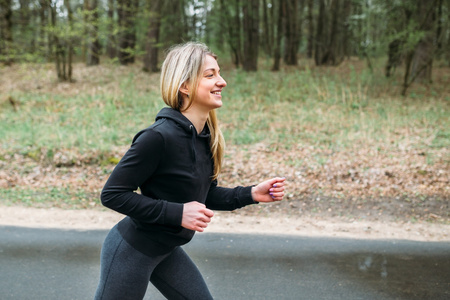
x: 326, y: 107
x: 62, y: 197
x: 325, y: 111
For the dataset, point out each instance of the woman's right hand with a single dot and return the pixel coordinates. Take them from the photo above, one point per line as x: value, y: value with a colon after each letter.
x: 196, y: 216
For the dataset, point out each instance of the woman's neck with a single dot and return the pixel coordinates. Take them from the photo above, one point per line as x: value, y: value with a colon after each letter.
x: 196, y: 118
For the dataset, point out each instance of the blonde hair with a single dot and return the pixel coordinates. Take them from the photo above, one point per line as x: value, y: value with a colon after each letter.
x: 184, y: 66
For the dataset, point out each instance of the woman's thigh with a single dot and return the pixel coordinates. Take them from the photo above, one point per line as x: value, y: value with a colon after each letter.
x: 177, y: 277
x: 125, y: 272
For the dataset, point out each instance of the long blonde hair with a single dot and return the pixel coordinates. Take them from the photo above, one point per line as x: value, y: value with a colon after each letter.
x: 183, y: 66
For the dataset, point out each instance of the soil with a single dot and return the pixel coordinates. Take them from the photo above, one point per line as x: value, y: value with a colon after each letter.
x: 237, y: 222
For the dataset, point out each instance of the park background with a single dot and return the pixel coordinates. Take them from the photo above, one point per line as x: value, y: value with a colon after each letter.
x: 349, y: 100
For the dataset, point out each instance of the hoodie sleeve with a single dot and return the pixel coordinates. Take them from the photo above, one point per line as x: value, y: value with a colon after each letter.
x: 221, y: 198
x: 136, y: 166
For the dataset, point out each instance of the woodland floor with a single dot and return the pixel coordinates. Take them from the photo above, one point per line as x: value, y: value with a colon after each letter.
x: 360, y: 194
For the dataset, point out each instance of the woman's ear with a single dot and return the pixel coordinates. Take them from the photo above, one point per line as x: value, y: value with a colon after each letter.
x: 184, y: 89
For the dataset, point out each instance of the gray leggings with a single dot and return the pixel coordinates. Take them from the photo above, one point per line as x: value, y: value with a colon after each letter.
x: 126, y: 272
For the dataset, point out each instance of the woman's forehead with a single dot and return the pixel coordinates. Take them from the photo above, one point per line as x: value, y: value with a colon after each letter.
x: 210, y: 63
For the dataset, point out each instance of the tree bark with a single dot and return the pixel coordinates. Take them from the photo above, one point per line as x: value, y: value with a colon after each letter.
x: 419, y: 61
x: 111, y: 45
x: 331, y: 56
x: 292, y: 32
x: 233, y: 29
x: 126, y: 10
x: 69, y: 41
x: 151, y: 46
x: 268, y: 42
x: 321, y: 36
x: 93, y: 55
x: 310, y: 46
x: 6, y: 37
x: 43, y: 10
x: 278, y: 37
x: 251, y: 34
x: 58, y: 49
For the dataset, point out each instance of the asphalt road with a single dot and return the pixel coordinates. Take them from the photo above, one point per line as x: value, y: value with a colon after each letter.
x: 64, y: 264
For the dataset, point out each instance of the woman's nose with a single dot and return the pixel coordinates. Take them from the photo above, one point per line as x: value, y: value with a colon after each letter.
x: 221, y: 82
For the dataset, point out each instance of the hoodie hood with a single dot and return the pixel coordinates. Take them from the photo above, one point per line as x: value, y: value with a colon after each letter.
x: 181, y: 120
x: 177, y: 117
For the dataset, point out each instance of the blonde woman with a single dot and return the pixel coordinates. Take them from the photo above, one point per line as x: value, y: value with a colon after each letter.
x: 175, y: 163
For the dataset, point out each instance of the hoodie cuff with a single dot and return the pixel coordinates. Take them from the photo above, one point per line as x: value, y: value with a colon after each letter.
x: 245, y: 196
x: 174, y: 214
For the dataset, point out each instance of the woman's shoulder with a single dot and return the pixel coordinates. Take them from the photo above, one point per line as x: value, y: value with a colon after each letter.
x: 162, y: 128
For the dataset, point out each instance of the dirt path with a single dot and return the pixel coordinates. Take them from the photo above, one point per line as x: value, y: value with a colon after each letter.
x: 235, y: 222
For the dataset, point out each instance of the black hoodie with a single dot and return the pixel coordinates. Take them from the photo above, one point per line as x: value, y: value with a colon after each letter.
x: 171, y: 164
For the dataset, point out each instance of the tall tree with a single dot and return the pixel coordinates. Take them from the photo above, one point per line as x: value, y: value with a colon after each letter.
x: 330, y: 35
x: 293, y: 32
x: 6, y: 37
x: 321, y: 33
x: 93, y: 55
x: 267, y: 27
x: 419, y: 59
x: 152, y: 41
x: 69, y: 41
x: 331, y: 56
x: 250, y: 11
x: 233, y: 29
x: 58, y: 50
x: 126, y: 10
x: 310, y: 19
x: 278, y: 34
x: 43, y: 41
x: 111, y: 44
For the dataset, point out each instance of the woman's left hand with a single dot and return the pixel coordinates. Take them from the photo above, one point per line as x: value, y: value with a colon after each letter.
x: 269, y: 191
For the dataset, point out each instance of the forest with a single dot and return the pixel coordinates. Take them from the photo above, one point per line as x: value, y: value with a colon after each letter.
x: 348, y: 99
x: 411, y: 33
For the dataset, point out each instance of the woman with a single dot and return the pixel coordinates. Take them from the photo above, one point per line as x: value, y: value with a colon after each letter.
x: 175, y: 164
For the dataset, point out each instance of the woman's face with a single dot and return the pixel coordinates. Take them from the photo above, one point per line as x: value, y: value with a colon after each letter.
x: 210, y: 86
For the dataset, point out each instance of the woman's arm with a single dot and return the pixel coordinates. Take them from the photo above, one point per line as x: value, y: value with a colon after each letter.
x: 136, y: 166
x: 220, y: 198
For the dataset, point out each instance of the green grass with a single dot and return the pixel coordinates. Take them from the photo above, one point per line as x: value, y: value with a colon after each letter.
x: 322, y: 107
x: 62, y: 197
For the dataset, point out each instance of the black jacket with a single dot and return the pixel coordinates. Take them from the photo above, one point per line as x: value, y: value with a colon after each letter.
x: 171, y: 164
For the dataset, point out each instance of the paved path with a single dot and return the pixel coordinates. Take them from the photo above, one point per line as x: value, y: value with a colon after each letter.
x: 64, y: 264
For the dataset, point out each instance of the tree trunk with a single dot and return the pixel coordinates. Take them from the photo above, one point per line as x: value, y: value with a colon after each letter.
x: 346, y: 31
x: 233, y: 29
x: 44, y: 37
x: 85, y: 29
x: 93, y: 55
x: 251, y: 34
x: 151, y: 46
x: 126, y: 10
x: 70, y: 41
x: 321, y: 36
x: 419, y: 61
x: 58, y: 49
x: 24, y: 19
x: 278, y: 36
x: 310, y: 46
x: 292, y: 32
x: 267, y: 36
x: 111, y: 44
x: 331, y: 56
x: 394, y: 56
x: 6, y: 38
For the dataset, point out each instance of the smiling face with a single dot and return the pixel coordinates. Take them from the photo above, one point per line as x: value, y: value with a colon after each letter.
x: 209, y: 91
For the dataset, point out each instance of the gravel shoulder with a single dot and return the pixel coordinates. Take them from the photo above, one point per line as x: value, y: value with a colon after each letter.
x: 236, y: 222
